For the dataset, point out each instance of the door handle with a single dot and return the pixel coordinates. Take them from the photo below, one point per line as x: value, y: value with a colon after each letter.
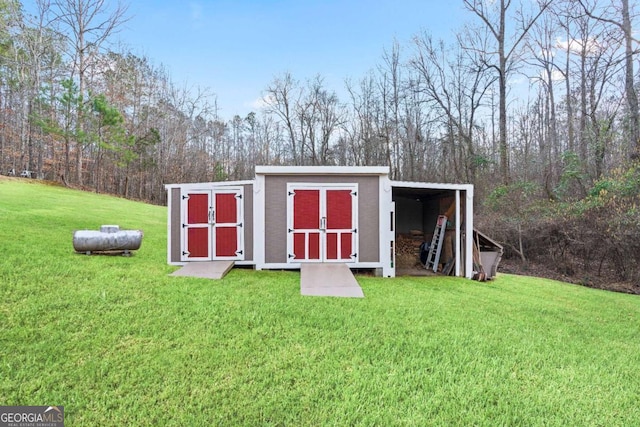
x: 212, y: 216
x: 323, y: 223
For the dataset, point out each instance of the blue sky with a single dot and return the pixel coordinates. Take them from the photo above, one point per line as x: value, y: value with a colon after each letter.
x: 236, y: 48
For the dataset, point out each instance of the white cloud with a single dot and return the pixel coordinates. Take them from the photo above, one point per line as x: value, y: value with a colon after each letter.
x: 591, y: 45
x: 262, y: 103
x: 257, y: 104
x: 556, y: 76
x: 516, y: 80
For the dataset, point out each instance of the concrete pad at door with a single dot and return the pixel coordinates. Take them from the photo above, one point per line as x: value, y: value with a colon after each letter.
x: 329, y: 280
x: 205, y: 269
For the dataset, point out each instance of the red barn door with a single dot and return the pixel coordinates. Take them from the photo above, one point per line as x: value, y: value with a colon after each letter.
x: 306, y: 225
x: 195, y: 226
x: 340, y: 227
x: 212, y: 225
x: 322, y: 223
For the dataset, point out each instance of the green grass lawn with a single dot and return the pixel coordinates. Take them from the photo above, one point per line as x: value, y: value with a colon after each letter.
x: 117, y: 341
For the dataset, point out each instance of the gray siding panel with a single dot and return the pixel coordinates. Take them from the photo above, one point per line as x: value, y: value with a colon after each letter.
x: 248, y: 222
x: 275, y: 223
x: 175, y: 224
x: 369, y: 219
x: 276, y: 213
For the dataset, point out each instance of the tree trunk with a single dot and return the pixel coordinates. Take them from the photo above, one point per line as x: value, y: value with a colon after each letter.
x: 568, y: 101
x: 583, y: 103
x: 632, y: 97
x: 502, y: 82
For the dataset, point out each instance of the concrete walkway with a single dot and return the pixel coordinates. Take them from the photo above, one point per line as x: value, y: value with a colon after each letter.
x: 205, y: 269
x: 329, y: 280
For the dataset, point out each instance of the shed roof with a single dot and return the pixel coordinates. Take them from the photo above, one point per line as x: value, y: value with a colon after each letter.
x: 187, y: 185
x: 322, y: 170
x: 431, y: 185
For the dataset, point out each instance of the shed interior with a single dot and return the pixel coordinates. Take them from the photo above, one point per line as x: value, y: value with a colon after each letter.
x: 416, y: 215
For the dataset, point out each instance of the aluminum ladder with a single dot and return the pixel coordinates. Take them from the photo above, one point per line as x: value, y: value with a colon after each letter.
x: 436, y: 244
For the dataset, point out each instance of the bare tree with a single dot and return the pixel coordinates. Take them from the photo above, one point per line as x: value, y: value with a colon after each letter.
x: 38, y: 45
x: 543, y: 48
x: 88, y: 24
x: 568, y: 47
x: 494, y: 15
x: 281, y: 97
x: 366, y: 138
x: 311, y: 115
x: 390, y: 87
x: 321, y: 114
x: 593, y: 61
x: 620, y: 16
x: 10, y: 16
x: 455, y: 82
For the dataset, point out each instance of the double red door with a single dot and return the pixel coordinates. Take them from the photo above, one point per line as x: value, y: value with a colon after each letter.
x: 212, y: 224
x: 322, y: 223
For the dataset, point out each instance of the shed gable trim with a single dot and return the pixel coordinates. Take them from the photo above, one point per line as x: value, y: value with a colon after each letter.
x: 322, y: 170
x: 431, y: 185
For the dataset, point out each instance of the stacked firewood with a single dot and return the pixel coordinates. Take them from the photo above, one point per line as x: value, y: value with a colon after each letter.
x: 408, y: 249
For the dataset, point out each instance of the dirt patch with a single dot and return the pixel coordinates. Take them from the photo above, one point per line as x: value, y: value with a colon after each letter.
x: 516, y: 266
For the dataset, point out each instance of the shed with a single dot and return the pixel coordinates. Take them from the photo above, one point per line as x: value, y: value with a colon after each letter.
x: 322, y: 214
x: 291, y: 215
x: 210, y: 221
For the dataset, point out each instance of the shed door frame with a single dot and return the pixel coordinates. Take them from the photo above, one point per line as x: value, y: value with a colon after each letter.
x: 324, y: 236
x: 214, y: 225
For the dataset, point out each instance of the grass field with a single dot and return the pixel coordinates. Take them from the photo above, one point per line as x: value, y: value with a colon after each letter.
x: 117, y: 341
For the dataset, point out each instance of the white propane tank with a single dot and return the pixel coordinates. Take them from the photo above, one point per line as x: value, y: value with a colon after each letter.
x: 109, y: 239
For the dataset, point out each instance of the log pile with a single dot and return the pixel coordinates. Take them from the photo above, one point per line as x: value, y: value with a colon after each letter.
x: 408, y: 249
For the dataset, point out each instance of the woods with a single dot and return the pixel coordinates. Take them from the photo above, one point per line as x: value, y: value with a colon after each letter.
x: 535, y: 103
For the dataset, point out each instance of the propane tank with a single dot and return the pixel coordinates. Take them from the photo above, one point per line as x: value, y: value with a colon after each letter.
x: 109, y: 239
